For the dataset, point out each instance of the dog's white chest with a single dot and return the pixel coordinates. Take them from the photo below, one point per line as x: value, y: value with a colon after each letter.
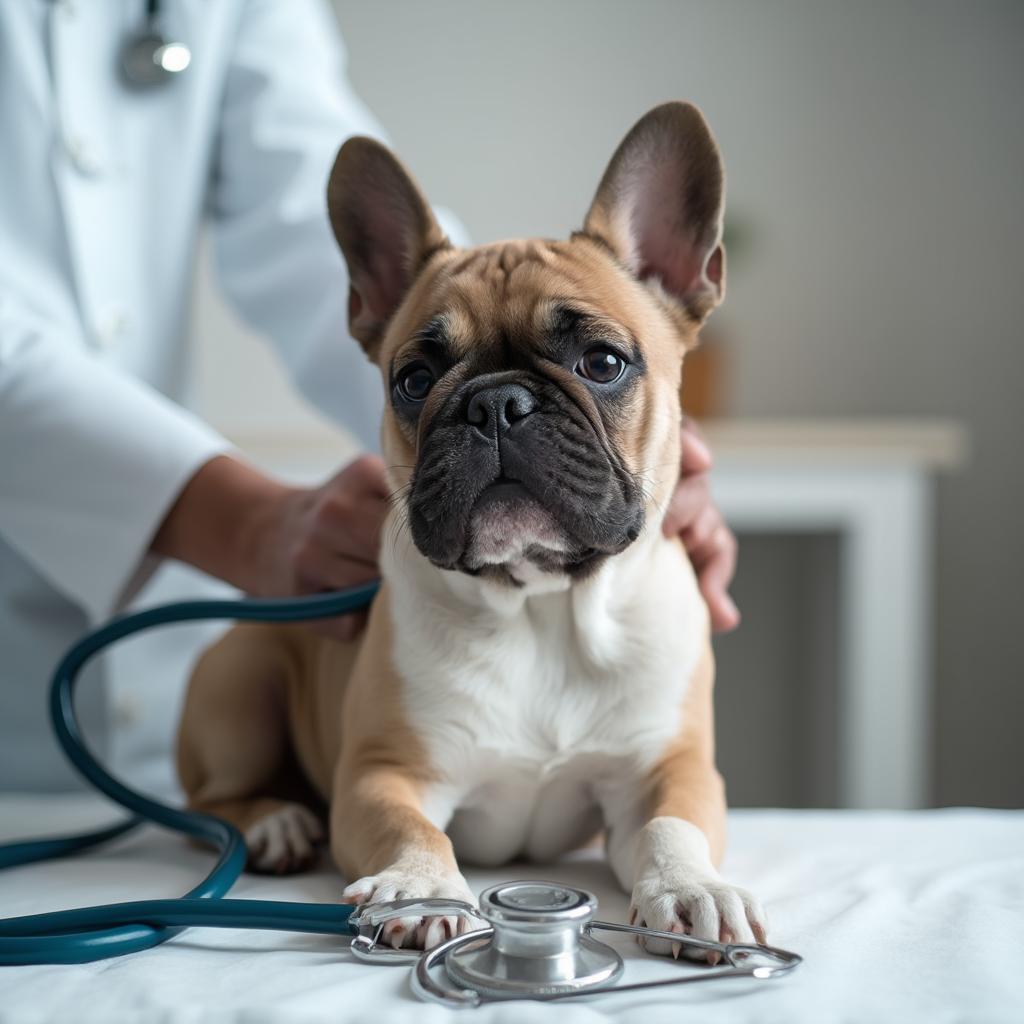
x: 529, y: 712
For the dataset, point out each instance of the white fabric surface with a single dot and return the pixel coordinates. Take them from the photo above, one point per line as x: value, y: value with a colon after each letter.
x: 900, y: 916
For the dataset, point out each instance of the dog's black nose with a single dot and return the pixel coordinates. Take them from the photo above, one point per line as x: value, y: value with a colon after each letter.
x: 495, y: 409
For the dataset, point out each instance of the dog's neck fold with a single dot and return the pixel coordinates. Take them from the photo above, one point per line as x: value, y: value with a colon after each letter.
x: 603, y: 607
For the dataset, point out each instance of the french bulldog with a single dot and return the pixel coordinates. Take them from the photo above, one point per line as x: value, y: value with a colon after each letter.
x: 537, y: 666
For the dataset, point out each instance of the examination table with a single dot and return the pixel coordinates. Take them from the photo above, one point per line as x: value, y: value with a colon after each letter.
x: 900, y: 916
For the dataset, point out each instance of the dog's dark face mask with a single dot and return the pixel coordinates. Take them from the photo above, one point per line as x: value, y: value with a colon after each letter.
x: 518, y: 466
x: 532, y: 422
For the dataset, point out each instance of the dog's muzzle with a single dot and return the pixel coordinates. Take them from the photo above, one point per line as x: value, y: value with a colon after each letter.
x: 512, y: 470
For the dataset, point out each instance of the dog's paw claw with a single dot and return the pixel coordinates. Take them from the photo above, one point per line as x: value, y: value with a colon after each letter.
x: 359, y: 892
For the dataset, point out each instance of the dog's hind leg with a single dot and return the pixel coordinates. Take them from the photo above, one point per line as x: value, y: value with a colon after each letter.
x: 235, y: 757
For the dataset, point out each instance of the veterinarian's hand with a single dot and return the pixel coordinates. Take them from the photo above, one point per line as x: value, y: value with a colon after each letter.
x: 272, y: 540
x: 329, y: 538
x: 711, y: 545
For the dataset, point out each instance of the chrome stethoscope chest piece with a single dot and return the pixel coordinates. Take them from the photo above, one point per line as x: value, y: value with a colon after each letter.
x: 148, y: 57
x: 539, y: 944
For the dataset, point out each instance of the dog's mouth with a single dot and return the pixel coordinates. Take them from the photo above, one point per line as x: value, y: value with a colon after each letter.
x: 503, y: 491
x: 509, y: 527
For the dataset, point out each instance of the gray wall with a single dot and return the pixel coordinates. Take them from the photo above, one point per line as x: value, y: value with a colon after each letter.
x: 875, y: 155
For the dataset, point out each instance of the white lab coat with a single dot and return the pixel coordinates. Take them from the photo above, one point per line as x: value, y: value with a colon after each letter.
x: 102, y: 193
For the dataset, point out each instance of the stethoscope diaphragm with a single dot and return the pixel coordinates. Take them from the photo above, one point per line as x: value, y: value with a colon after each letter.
x: 540, y: 944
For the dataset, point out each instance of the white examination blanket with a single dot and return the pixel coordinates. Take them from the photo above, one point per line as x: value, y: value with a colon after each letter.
x: 900, y: 917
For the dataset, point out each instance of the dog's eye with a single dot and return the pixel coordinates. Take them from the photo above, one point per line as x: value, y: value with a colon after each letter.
x: 415, y: 383
x: 601, y: 365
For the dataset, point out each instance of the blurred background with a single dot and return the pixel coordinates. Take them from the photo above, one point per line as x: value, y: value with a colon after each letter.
x: 860, y: 386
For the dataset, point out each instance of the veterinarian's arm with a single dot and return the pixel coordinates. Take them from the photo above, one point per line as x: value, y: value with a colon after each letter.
x: 99, y: 472
x: 90, y: 459
x: 710, y: 543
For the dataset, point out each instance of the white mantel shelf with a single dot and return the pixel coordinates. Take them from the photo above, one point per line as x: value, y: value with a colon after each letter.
x: 932, y: 444
x: 870, y: 482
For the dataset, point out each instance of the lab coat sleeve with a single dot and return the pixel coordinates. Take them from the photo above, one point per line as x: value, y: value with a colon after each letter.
x: 287, y: 109
x: 90, y: 462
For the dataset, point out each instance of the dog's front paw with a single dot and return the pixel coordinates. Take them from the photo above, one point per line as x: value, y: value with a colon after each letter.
x: 679, y: 890
x: 698, y: 904
x: 399, y: 883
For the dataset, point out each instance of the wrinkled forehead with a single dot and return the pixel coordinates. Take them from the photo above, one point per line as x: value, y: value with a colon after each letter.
x: 520, y: 296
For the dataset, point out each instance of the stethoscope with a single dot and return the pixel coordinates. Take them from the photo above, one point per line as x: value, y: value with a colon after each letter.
x: 528, y: 940
x: 148, y: 56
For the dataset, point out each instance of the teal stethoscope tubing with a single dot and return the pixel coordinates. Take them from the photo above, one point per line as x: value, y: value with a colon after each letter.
x: 97, y: 933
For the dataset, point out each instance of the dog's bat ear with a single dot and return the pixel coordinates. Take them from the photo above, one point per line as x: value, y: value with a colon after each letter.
x: 659, y: 206
x: 386, y: 231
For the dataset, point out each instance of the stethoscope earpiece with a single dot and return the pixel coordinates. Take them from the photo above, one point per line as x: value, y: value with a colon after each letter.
x: 148, y: 58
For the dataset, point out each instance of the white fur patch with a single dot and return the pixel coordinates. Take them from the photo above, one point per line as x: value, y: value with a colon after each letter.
x: 529, y: 699
x: 503, y: 532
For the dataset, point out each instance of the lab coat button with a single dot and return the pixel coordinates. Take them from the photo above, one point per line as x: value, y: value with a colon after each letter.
x: 127, y: 711
x: 109, y: 329
x: 83, y: 156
